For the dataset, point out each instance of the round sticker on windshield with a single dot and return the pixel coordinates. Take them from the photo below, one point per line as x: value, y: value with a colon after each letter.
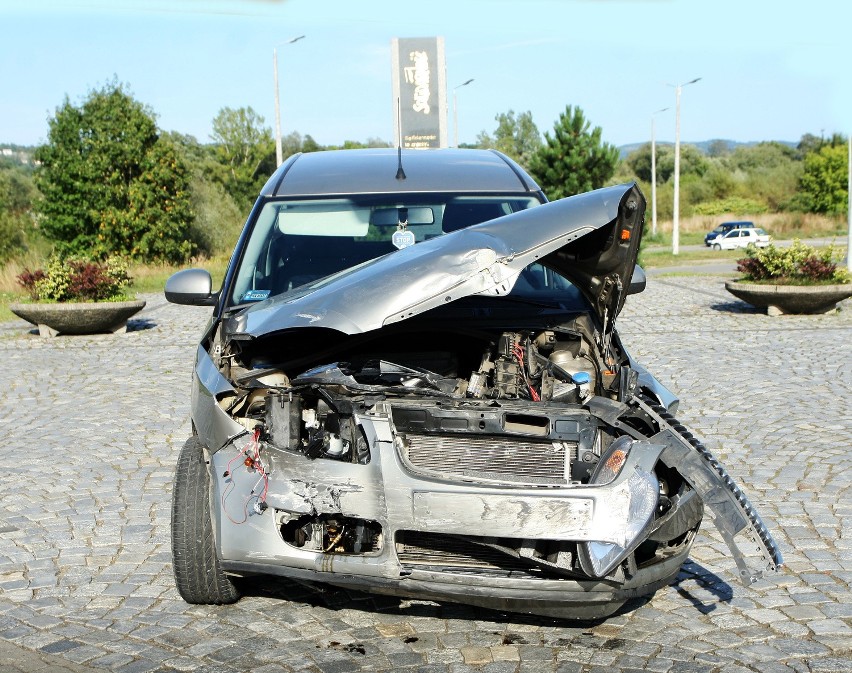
x: 402, y: 238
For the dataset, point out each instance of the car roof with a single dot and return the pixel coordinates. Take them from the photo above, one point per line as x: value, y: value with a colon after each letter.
x: 375, y: 171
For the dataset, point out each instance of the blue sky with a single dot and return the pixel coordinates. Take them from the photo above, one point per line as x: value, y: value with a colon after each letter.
x: 770, y: 70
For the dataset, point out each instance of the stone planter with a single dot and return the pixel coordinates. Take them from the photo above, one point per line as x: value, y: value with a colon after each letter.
x: 781, y: 299
x: 78, y: 318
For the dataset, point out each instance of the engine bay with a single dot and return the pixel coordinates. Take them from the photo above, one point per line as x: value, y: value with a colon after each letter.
x: 306, y: 403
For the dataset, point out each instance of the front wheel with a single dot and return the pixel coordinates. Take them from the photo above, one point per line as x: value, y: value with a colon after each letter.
x: 198, y: 576
x: 716, y: 246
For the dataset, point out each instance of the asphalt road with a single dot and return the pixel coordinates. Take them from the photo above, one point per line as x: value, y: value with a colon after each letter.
x: 93, y: 426
x: 724, y: 267
x: 838, y: 241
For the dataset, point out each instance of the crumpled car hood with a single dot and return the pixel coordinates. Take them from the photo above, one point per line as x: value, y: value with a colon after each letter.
x: 591, y: 239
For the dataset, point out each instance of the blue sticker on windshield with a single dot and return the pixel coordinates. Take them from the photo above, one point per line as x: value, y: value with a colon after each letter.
x: 256, y: 295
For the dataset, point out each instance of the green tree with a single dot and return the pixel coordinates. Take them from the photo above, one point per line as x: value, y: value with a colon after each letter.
x: 824, y: 181
x: 718, y: 148
x: 17, y: 191
x: 573, y: 160
x: 17, y: 195
x: 639, y: 162
x: 768, y: 171
x: 110, y: 184
x: 761, y: 156
x: 217, y: 220
x: 516, y: 136
x: 245, y: 150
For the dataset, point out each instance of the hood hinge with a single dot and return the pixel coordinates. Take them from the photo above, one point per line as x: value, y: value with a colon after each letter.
x: 608, y: 301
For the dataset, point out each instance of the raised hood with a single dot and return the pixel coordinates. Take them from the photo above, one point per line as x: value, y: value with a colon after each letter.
x: 591, y: 238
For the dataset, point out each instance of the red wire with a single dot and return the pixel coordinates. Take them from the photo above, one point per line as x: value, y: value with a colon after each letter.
x: 518, y: 352
x: 258, y: 465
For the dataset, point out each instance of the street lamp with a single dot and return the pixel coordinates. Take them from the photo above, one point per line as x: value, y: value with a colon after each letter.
x: 654, y: 172
x: 849, y: 205
x: 279, y: 153
x: 456, y: 112
x: 676, y: 208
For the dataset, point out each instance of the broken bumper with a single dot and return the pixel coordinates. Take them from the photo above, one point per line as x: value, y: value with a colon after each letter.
x: 433, y: 531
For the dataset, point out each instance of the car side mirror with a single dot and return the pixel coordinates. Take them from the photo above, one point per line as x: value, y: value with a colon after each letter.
x: 191, y: 287
x: 637, y: 281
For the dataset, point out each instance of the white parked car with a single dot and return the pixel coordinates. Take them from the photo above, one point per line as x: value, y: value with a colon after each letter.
x: 741, y: 238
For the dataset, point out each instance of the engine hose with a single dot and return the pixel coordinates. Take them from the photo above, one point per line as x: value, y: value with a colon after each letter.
x: 770, y: 552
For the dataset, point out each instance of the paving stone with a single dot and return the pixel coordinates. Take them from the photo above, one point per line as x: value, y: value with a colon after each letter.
x: 85, y: 569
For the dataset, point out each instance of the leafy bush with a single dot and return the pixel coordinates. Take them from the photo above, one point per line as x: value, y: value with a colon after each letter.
x: 11, y: 237
x: 736, y: 205
x: 823, y: 185
x: 799, y: 264
x: 77, y: 279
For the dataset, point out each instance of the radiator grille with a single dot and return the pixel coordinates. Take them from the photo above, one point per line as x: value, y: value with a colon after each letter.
x: 430, y: 551
x: 489, y: 458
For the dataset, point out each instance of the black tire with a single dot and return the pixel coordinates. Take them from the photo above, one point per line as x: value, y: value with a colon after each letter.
x: 198, y: 576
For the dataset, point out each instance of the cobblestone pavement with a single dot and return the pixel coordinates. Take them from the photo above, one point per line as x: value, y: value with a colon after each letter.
x: 93, y: 426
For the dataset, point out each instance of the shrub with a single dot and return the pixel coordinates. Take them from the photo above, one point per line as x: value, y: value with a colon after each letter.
x: 799, y: 264
x: 735, y: 205
x: 11, y: 237
x: 77, y: 279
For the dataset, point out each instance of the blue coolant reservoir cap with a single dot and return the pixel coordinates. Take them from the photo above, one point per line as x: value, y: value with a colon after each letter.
x: 581, y: 378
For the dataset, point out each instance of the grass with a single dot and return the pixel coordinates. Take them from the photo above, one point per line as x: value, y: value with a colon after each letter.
x: 662, y: 258
x: 149, y: 278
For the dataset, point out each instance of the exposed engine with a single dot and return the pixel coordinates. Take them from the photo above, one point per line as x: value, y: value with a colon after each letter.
x: 312, y: 413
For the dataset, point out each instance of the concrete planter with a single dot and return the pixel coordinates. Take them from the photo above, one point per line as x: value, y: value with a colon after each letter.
x: 82, y: 318
x: 782, y: 299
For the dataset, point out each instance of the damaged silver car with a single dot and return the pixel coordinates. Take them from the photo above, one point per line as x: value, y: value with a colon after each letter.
x: 412, y: 384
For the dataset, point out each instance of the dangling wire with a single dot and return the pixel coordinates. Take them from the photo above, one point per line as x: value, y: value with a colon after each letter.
x: 252, y: 461
x: 518, y: 354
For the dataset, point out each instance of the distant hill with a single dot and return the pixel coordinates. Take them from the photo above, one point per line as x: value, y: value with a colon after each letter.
x: 16, y: 155
x: 703, y: 145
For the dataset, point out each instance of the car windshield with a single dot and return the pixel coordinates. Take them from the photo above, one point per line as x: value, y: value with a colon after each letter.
x: 295, y: 242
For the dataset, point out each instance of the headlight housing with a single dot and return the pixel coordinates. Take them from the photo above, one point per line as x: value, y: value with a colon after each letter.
x: 641, y: 491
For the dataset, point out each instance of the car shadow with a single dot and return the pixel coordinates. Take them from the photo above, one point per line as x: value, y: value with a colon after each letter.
x: 332, y: 598
x: 710, y: 582
x: 140, y: 324
x: 133, y: 325
x: 336, y: 598
x: 735, y: 307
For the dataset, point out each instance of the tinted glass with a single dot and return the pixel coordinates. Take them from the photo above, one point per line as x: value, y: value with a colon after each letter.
x: 295, y: 242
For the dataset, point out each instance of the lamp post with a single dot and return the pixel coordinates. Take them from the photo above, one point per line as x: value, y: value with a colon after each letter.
x: 849, y: 205
x: 456, y: 112
x: 279, y: 153
x: 654, y: 172
x: 676, y: 207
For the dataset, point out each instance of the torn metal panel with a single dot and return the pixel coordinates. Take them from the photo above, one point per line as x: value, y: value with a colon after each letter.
x: 732, y: 513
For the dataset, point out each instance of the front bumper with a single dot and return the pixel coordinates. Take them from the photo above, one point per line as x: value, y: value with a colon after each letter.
x: 403, y: 503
